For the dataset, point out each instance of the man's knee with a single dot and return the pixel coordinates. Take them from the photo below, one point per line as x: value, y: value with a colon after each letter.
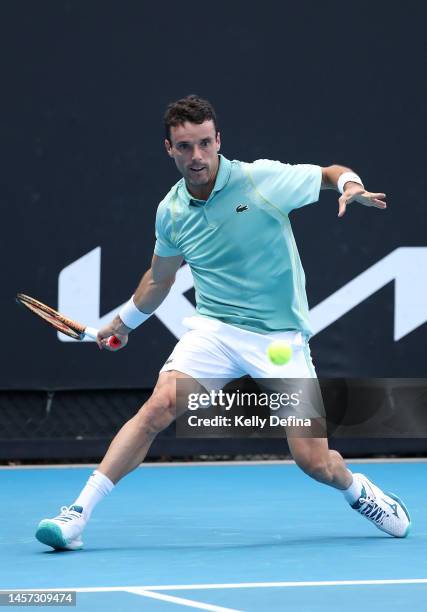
x: 158, y: 412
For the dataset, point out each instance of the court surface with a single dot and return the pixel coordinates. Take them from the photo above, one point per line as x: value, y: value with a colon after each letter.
x: 254, y: 537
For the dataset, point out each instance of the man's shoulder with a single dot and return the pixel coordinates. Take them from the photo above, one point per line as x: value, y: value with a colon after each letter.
x: 267, y: 169
x: 169, y: 198
x: 256, y: 162
x: 258, y: 167
x: 264, y: 165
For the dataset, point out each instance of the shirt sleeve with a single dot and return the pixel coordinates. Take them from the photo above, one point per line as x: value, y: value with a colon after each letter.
x: 286, y: 186
x: 164, y: 246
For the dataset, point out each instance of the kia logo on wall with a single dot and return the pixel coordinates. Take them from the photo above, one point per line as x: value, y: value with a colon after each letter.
x: 79, y: 288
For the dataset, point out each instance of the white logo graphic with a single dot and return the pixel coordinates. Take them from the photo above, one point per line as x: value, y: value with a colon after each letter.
x: 79, y: 293
x: 79, y: 289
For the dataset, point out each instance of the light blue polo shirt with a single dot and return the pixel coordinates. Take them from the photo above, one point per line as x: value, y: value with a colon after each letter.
x: 239, y: 243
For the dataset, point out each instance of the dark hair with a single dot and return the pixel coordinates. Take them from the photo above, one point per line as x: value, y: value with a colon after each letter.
x: 192, y: 109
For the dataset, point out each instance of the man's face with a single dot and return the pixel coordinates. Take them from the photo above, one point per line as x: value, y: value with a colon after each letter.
x: 194, y: 147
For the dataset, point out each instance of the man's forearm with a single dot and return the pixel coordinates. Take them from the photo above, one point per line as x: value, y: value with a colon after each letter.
x: 150, y: 293
x: 148, y: 296
x: 331, y: 174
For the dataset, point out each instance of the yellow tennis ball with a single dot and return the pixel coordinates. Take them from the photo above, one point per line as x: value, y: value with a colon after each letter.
x: 279, y: 352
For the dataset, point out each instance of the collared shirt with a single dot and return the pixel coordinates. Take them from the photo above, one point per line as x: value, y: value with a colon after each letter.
x: 239, y: 243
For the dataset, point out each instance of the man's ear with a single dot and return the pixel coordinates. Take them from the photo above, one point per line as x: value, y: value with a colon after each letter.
x: 168, y: 147
x: 218, y: 142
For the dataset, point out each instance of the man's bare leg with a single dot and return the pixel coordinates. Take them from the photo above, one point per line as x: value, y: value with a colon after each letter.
x: 315, y: 458
x: 385, y: 510
x: 130, y: 445
x: 126, y: 452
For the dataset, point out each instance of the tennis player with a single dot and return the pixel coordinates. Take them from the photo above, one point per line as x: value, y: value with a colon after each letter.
x: 229, y: 221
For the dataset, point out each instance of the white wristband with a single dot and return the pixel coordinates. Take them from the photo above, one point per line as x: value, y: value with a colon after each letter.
x: 131, y: 316
x: 348, y: 177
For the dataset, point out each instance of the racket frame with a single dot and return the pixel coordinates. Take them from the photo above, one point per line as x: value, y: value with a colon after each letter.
x: 60, y: 322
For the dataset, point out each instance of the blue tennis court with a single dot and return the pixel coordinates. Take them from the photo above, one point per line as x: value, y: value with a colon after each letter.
x: 218, y: 537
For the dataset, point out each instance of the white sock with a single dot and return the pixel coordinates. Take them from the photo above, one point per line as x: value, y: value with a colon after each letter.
x: 354, y: 491
x: 97, y: 487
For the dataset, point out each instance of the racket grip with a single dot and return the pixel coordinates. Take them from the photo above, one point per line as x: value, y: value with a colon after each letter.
x: 92, y: 332
x: 114, y: 342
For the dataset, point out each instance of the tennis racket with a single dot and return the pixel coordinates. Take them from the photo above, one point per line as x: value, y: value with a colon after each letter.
x: 60, y: 322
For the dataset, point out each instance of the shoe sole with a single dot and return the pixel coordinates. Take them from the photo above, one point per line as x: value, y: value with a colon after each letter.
x: 405, y: 509
x: 51, y: 535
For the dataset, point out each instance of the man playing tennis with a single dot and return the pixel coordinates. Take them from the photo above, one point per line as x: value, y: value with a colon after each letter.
x: 229, y: 221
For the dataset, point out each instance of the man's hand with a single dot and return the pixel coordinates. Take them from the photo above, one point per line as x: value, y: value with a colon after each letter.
x: 355, y: 193
x: 115, y: 328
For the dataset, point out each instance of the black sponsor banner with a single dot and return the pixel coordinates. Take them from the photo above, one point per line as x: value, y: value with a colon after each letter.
x: 364, y: 417
x: 84, y: 168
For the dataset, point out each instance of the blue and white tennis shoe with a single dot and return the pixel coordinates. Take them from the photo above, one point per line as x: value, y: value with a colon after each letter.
x: 385, y: 510
x: 64, y: 531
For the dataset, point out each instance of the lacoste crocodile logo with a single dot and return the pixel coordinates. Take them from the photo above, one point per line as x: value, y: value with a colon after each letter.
x: 241, y: 208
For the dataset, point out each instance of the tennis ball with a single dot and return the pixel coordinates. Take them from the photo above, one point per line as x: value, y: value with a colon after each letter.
x: 279, y: 352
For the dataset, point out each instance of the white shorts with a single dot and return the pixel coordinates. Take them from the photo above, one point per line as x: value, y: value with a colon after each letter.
x: 216, y: 350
